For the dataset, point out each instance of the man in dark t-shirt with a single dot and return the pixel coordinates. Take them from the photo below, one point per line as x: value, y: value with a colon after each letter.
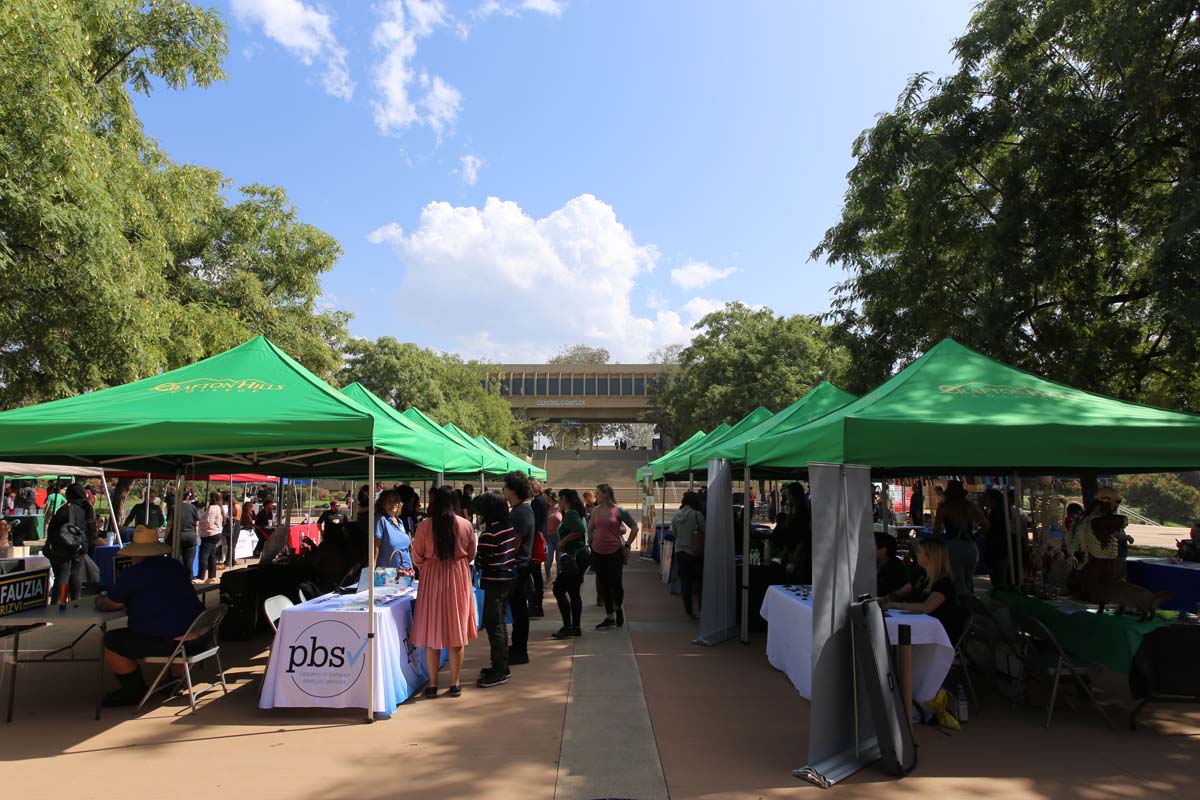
x: 264, y: 525
x: 517, y: 491
x: 157, y: 593
x: 332, y: 521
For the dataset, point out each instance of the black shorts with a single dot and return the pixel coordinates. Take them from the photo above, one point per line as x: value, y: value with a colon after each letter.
x: 134, y: 645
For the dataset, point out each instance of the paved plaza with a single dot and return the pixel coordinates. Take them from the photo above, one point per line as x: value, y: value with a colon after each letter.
x: 635, y: 713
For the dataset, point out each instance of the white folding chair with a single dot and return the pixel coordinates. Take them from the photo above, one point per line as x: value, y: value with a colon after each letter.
x: 208, y: 622
x: 273, y: 607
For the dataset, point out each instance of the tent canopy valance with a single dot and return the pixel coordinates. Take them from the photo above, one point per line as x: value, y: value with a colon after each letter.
x: 244, y: 409
x: 954, y: 410
x: 824, y: 398
x: 516, y: 463
x: 647, y: 472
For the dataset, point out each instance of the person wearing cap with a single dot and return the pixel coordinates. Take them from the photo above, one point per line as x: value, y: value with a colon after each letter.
x: 157, y: 593
x: 955, y: 522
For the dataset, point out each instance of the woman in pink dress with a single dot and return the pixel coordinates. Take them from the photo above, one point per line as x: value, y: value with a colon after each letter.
x: 444, y: 614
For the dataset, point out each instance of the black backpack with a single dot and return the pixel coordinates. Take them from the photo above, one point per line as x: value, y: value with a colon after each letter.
x: 67, y: 538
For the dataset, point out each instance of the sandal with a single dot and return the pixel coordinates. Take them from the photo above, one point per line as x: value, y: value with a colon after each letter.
x: 430, y: 692
x: 455, y: 690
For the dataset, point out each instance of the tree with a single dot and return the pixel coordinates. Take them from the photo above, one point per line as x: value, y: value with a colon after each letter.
x: 588, y: 432
x: 580, y: 354
x: 742, y: 358
x: 1041, y: 204
x: 442, y: 385
x: 1162, y: 496
x: 118, y: 263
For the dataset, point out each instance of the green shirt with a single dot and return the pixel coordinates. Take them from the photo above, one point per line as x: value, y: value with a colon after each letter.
x: 572, y: 523
x: 54, y: 501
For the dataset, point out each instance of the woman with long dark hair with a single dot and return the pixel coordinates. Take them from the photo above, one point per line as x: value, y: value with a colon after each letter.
x: 610, y: 551
x: 444, y: 614
x: 955, y: 522
x: 571, y: 552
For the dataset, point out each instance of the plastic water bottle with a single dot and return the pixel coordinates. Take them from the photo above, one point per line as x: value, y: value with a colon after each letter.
x: 960, y: 708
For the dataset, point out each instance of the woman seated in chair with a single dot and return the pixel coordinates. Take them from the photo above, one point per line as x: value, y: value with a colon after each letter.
x: 934, y: 592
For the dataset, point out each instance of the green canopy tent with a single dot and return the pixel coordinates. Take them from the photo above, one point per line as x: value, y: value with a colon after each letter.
x: 456, y: 461
x: 695, y: 461
x: 491, y: 464
x: 245, y: 409
x: 678, y: 458
x: 647, y: 472
x: 824, y: 398
x: 954, y: 410
x: 517, y: 463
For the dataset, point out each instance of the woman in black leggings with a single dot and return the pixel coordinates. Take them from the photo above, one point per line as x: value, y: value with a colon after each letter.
x: 572, y: 555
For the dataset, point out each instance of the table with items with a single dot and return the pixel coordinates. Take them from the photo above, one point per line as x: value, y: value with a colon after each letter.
x: 1180, y: 578
x: 318, y: 659
x: 789, y: 611
x: 1105, y: 638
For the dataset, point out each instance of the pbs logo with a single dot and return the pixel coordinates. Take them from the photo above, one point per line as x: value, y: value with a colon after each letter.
x: 326, y: 659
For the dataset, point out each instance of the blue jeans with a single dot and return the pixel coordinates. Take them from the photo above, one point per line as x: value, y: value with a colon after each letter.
x: 551, y: 550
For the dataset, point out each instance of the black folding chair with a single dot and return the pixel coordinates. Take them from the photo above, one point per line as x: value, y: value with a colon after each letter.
x: 966, y: 623
x: 1043, y: 655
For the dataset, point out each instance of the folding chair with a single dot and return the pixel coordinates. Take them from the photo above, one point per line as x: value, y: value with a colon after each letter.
x: 273, y: 607
x: 1043, y: 655
x: 966, y: 622
x: 208, y: 622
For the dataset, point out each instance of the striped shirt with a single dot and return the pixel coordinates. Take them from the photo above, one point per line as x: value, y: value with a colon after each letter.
x: 496, y: 555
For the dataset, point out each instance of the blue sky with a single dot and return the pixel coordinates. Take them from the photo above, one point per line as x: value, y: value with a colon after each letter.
x: 509, y: 176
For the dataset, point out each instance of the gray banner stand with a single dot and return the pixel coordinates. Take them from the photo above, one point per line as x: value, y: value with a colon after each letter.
x: 718, y: 615
x: 841, y: 738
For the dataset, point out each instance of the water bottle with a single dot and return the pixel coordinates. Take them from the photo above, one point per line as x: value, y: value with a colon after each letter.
x: 961, y: 708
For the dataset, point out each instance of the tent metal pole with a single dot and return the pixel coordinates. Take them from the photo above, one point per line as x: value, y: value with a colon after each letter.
x: 1008, y: 536
x: 176, y: 523
x: 370, y: 665
x: 745, y: 555
x: 278, y: 500
x: 1020, y: 532
x: 482, y: 482
x: 112, y: 512
x: 691, y: 481
x: 231, y: 520
x: 146, y: 499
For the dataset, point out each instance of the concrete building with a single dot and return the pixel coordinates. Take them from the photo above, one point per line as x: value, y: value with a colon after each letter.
x: 582, y: 392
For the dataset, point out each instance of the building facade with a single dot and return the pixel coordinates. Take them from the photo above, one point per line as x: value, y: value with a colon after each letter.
x: 582, y: 392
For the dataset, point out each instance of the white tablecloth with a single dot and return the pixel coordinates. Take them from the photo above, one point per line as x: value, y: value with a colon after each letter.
x: 319, y: 654
x: 789, y: 642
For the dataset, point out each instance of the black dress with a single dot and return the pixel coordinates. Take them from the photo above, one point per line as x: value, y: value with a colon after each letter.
x: 947, y: 613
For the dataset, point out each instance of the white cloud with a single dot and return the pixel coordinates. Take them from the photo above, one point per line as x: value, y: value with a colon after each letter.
x: 698, y: 307
x: 470, y: 169
x: 552, y: 7
x: 655, y: 300
x: 523, y: 286
x: 398, y: 106
x: 491, y: 8
x: 304, y: 31
x: 697, y: 275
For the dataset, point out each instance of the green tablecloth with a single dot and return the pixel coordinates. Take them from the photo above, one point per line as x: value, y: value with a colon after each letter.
x: 30, y: 526
x: 1105, y: 638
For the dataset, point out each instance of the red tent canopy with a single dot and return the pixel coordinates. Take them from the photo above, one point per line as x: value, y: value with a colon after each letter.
x: 238, y: 477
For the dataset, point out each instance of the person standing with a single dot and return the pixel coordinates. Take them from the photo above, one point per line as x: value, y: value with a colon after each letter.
x: 444, y: 613
x: 687, y: 526
x: 916, y: 504
x: 392, y: 543
x: 517, y: 492
x: 553, y: 520
x: 139, y: 515
x: 68, y: 540
x: 572, y: 556
x: 610, y: 553
x: 264, y: 525
x: 955, y: 521
x: 468, y: 502
x: 541, y: 514
x: 54, y: 498
x: 185, y: 528
x: 332, y: 522
x: 496, y: 560
x: 211, y: 526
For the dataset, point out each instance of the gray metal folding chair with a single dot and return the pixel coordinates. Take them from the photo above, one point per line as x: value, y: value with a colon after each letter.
x: 1043, y: 655
x: 966, y: 622
x: 273, y: 607
x: 208, y: 622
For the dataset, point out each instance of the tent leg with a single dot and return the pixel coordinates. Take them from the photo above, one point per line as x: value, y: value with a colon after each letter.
x: 1008, y: 535
x: 691, y: 481
x: 370, y: 665
x: 112, y: 512
x: 146, y: 499
x: 746, y: 511
x: 1017, y: 525
x: 482, y: 483
x: 177, y: 535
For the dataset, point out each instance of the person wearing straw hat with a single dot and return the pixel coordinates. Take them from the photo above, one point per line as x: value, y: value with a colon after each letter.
x: 157, y: 593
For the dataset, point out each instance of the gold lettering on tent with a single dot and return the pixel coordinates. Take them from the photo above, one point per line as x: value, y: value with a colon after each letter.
x: 978, y: 389
x: 217, y: 385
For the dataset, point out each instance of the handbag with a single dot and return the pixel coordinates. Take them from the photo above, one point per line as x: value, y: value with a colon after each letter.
x: 697, y: 539
x: 539, y: 548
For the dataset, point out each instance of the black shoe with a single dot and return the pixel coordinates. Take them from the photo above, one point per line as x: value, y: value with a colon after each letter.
x: 121, y: 697
x: 489, y: 671
x: 455, y: 691
x: 518, y: 658
x: 430, y: 692
x: 490, y: 680
x: 620, y: 618
x: 608, y: 623
x: 565, y: 632
x: 576, y: 631
x: 537, y: 612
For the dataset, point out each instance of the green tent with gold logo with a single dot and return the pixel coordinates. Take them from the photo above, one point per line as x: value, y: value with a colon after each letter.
x: 954, y: 410
x: 247, y: 409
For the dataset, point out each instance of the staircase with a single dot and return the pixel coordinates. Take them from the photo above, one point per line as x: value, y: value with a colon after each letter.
x: 618, y: 468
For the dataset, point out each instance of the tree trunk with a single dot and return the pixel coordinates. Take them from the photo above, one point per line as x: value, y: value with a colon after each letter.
x: 120, y: 492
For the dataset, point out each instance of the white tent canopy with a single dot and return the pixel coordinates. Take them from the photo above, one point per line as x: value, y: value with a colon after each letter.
x: 11, y: 468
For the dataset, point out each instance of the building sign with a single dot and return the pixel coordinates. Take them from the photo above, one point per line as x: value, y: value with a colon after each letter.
x: 560, y: 403
x: 326, y: 659
x: 22, y: 591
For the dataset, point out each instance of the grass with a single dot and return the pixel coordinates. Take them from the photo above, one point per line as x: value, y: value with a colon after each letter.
x: 1143, y: 551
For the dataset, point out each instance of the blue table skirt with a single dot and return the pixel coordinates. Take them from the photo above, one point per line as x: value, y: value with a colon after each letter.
x: 1181, y: 581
